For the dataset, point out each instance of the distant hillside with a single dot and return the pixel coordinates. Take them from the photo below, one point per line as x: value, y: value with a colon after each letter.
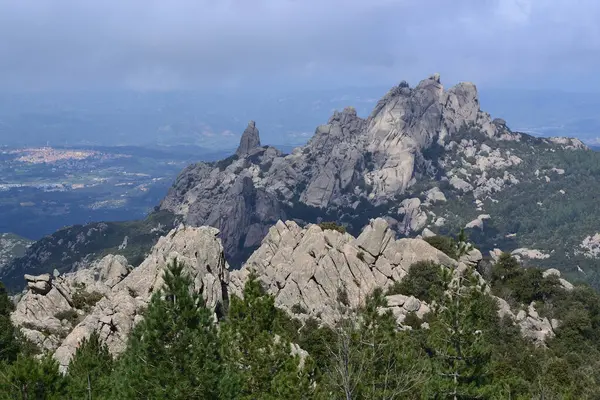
x: 12, y: 246
x: 74, y: 247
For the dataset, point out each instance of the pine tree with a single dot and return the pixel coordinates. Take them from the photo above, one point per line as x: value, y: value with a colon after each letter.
x: 463, y: 246
x: 370, y: 358
x: 257, y: 361
x: 9, y: 346
x: 29, y: 378
x: 461, y: 354
x: 173, y: 353
x: 89, y: 370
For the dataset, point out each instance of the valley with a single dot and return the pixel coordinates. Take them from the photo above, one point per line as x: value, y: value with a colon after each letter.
x: 44, y: 189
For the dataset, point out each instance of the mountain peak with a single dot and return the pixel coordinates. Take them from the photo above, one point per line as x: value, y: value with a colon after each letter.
x: 250, y: 140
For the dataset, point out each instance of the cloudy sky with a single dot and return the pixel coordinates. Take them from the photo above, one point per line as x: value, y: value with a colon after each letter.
x: 162, y: 45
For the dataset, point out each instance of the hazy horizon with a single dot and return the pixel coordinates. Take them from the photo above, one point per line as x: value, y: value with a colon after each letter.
x: 250, y: 45
x: 194, y: 72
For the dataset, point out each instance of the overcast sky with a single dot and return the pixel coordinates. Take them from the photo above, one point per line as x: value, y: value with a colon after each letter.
x: 175, y: 44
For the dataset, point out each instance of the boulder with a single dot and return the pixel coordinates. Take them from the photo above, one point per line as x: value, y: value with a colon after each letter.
x: 472, y: 258
x: 40, y: 284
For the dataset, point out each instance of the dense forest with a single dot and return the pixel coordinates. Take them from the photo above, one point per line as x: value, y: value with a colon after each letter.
x: 253, y: 350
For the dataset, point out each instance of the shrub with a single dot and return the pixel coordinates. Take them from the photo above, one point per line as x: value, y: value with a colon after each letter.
x: 85, y: 300
x: 332, y: 226
x: 342, y: 296
x: 299, y: 309
x: 424, y: 281
x: 412, y: 320
x: 524, y: 285
x: 70, y: 315
x: 361, y: 255
x: 445, y: 244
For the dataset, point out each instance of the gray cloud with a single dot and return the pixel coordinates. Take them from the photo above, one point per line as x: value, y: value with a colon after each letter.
x: 152, y: 44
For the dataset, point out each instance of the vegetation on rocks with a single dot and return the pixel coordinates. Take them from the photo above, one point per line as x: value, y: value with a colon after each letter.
x: 461, y: 349
x: 333, y: 226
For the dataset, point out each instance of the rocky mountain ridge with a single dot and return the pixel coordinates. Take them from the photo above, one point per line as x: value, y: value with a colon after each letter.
x: 426, y: 158
x: 305, y: 269
x: 348, y: 161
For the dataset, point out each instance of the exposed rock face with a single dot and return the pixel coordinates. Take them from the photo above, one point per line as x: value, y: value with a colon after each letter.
x: 230, y: 197
x: 116, y: 293
x: 401, y: 305
x: 309, y: 271
x: 414, y: 217
x: 538, y: 329
x: 310, y: 268
x: 348, y: 160
x: 478, y: 222
x: 590, y: 246
x: 568, y: 143
x: 249, y: 141
x: 529, y: 254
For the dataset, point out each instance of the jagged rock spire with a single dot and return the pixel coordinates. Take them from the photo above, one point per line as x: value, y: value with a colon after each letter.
x: 249, y: 140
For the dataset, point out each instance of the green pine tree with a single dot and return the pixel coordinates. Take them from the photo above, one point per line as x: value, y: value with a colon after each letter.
x: 173, y: 353
x: 463, y: 246
x: 461, y: 354
x: 89, y: 370
x: 370, y: 358
x: 257, y: 361
x: 9, y: 345
x: 29, y: 378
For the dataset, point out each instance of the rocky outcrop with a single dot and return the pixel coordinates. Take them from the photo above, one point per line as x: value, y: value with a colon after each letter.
x: 109, y: 296
x: 532, y: 254
x: 39, y: 284
x: 401, y: 305
x: 349, y: 160
x: 414, y: 218
x: 568, y: 143
x: 231, y: 197
x: 310, y: 270
x: 590, y: 246
x: 532, y: 326
x: 250, y: 140
x: 563, y: 282
x: 478, y: 222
